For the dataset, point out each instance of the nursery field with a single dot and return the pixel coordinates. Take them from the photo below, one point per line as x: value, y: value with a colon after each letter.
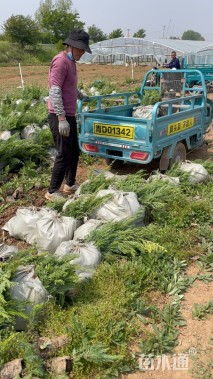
x: 87, y: 73
x: 143, y: 244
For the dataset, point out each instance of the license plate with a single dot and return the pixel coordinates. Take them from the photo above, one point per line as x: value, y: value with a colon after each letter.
x: 115, y: 131
x: 179, y: 126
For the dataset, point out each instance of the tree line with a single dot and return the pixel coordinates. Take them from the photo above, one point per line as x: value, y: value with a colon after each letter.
x: 52, y: 22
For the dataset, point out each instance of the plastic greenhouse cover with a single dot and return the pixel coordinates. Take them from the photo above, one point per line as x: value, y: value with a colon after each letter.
x: 158, y: 48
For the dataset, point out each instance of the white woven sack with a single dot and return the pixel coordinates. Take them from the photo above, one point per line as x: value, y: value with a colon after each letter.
x: 69, y: 201
x: 121, y: 205
x: 84, y: 230
x: 110, y: 175
x: 7, y: 251
x: 29, y: 131
x: 52, y: 230
x: 85, y: 256
x: 27, y: 287
x: 22, y: 226
x: 78, y: 191
x: 143, y: 111
x: 4, y: 136
x: 170, y: 179
x: 197, y: 172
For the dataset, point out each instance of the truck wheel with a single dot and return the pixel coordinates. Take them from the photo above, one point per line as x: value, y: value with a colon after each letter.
x: 191, y: 91
x: 114, y: 163
x: 179, y: 154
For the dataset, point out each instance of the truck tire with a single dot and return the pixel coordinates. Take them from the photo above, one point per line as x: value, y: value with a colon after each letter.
x: 191, y: 91
x: 179, y: 154
x: 114, y: 163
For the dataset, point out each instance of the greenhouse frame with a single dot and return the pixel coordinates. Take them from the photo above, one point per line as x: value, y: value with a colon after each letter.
x: 125, y: 50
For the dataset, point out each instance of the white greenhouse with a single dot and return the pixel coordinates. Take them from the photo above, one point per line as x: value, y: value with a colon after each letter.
x: 126, y: 50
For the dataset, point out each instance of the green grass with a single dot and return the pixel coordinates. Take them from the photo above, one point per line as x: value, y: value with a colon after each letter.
x: 201, y: 311
x: 114, y: 309
x: 11, y: 54
x: 20, y: 345
x: 15, y: 116
x: 202, y: 370
x: 143, y: 258
x: 103, y: 319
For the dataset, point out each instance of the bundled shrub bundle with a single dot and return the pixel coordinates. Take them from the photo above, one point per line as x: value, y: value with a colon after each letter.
x: 57, y: 276
x: 84, y: 206
x: 96, y: 182
x: 15, y: 152
x: 150, y: 97
x: 123, y: 239
x: 21, y: 109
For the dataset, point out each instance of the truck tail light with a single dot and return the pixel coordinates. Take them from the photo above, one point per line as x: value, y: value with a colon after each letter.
x: 92, y: 148
x: 138, y: 155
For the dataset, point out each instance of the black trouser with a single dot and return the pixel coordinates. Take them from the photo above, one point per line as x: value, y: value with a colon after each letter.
x: 65, y: 165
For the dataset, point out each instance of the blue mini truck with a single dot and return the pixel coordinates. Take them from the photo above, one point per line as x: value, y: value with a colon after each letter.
x: 160, y: 122
x: 207, y: 71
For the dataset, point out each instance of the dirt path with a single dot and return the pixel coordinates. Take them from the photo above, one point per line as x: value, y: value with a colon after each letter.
x: 194, y: 342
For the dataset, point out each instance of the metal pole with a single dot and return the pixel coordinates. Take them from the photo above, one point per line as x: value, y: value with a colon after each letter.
x: 132, y: 69
x: 22, y: 81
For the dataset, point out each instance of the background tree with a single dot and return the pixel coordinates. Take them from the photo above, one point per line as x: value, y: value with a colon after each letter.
x: 57, y: 19
x: 141, y: 33
x: 116, y: 34
x: 192, y: 35
x: 45, y: 7
x: 96, y: 34
x: 22, y: 30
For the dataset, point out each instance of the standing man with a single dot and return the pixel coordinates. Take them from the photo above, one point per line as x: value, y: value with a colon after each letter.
x: 174, y: 63
x: 63, y: 94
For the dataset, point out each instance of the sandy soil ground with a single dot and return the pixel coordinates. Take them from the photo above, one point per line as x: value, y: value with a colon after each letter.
x: 194, y: 342
x: 87, y: 73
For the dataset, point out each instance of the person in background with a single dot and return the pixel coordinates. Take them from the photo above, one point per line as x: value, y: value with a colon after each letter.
x: 174, y: 63
x: 63, y: 95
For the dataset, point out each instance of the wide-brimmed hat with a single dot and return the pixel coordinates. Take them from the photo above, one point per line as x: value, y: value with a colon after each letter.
x: 78, y: 38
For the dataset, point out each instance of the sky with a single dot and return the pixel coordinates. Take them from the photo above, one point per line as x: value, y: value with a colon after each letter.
x: 159, y: 18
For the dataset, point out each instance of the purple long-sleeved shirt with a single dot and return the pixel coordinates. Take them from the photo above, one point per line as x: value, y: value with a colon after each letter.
x: 62, y: 86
